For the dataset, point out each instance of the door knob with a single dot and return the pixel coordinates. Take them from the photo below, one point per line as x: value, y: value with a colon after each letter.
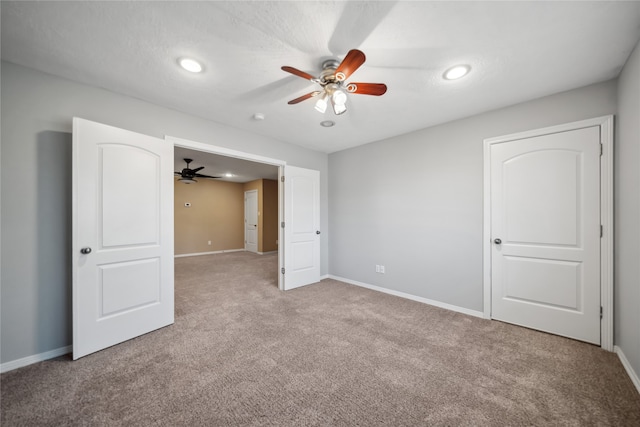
x: 85, y: 251
x: 497, y: 241
x: 318, y: 232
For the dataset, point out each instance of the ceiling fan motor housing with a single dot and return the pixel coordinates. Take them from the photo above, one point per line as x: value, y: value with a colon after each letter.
x: 328, y: 74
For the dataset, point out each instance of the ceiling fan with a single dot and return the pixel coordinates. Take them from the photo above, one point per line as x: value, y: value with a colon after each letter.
x: 332, y: 80
x: 188, y: 175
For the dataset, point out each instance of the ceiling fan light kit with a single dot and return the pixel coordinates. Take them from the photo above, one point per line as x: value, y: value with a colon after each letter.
x: 188, y: 180
x: 321, y: 103
x: 332, y: 79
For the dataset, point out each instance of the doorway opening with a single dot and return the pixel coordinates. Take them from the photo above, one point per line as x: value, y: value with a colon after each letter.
x: 239, y: 173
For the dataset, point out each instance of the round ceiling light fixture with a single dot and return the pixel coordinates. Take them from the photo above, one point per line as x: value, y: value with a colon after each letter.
x: 190, y: 65
x: 327, y: 123
x: 456, y: 72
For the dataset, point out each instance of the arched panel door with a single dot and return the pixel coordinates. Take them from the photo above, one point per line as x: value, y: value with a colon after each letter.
x: 545, y: 231
x: 122, y: 235
x: 302, y: 227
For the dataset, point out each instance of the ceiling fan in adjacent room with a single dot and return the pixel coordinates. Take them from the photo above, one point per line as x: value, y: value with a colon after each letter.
x: 334, y: 90
x: 188, y: 176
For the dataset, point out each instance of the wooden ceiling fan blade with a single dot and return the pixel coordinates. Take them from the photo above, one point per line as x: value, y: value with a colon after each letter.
x: 375, y: 89
x: 304, y: 97
x: 298, y: 73
x: 354, y: 59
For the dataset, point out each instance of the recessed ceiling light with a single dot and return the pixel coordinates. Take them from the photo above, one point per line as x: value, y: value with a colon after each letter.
x: 190, y: 65
x: 228, y: 175
x: 258, y: 116
x: 456, y: 72
x: 327, y: 123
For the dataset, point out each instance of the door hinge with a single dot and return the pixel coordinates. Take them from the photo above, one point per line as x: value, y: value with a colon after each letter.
x: 601, y: 312
x: 601, y: 149
x: 282, y: 224
x: 282, y: 270
x: 601, y: 230
x: 282, y: 178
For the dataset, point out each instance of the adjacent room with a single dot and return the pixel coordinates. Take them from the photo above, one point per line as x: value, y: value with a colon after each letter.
x: 228, y: 205
x: 320, y: 213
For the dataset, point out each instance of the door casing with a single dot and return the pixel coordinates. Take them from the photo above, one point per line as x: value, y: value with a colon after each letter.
x: 606, y: 216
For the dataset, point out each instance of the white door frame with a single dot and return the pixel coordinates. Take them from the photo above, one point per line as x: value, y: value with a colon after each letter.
x: 208, y: 148
x: 606, y: 216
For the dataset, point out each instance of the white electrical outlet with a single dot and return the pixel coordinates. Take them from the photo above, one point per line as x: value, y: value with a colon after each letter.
x: 377, y: 268
x: 209, y: 243
x: 382, y: 269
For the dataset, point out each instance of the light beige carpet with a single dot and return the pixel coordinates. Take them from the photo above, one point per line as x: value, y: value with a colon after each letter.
x: 242, y: 353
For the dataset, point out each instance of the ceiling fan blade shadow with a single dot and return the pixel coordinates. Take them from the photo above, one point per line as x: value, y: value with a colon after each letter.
x: 357, y: 22
x: 268, y: 91
x: 375, y: 89
x: 264, y: 20
x: 426, y: 59
x: 304, y: 97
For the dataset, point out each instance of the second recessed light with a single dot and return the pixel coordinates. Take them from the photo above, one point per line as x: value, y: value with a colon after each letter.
x: 190, y: 65
x: 456, y: 72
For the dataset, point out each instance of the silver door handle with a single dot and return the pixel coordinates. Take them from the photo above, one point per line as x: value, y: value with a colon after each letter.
x: 497, y: 241
x: 85, y: 251
x: 317, y: 231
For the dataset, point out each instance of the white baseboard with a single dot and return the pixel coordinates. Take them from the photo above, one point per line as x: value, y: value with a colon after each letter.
x: 411, y: 297
x: 209, y: 253
x: 267, y: 253
x: 627, y: 366
x: 326, y: 276
x: 29, y: 360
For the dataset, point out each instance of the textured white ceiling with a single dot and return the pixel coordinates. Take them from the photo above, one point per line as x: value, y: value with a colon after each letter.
x: 518, y: 51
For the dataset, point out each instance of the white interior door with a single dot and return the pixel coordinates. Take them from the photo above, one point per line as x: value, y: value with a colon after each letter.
x: 545, y: 231
x: 122, y: 235
x: 302, y: 227
x: 251, y: 221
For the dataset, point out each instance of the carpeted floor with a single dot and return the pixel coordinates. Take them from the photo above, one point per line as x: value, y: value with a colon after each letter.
x: 242, y: 353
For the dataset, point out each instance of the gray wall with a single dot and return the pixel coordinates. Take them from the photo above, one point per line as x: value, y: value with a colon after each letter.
x: 36, y: 192
x: 627, y: 213
x: 414, y: 202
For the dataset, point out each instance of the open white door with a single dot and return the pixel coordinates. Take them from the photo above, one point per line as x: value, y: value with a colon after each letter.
x: 302, y: 227
x: 122, y: 235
